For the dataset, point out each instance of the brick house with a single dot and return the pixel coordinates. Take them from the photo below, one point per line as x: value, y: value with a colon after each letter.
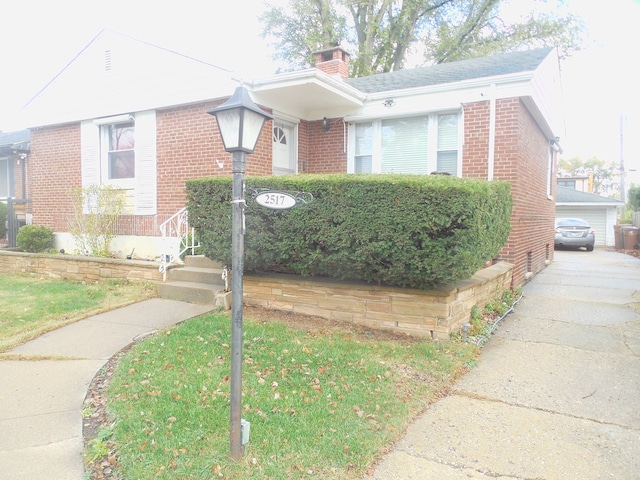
x: 489, y: 118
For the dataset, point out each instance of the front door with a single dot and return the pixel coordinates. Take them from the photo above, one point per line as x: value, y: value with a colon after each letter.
x: 284, y: 158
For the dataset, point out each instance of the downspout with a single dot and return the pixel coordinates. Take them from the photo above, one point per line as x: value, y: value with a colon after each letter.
x: 492, y: 131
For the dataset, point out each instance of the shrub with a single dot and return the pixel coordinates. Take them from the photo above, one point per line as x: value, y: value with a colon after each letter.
x: 35, y: 238
x: 95, y: 212
x: 403, y: 230
x: 3, y: 219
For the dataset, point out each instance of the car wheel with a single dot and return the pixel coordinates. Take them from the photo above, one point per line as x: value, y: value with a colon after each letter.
x: 589, y: 248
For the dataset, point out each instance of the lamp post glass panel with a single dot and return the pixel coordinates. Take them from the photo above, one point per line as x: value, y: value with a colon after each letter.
x: 240, y: 122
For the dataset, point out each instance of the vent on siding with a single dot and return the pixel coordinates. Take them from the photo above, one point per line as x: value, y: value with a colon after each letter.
x: 107, y: 60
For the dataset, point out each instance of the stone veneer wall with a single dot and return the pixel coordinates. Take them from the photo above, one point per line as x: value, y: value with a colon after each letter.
x: 78, y: 268
x: 434, y: 313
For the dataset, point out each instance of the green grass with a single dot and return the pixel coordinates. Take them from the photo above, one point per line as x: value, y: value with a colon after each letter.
x: 322, y: 403
x: 32, y: 305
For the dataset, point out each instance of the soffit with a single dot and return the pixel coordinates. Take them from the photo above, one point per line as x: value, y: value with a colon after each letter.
x: 308, y: 95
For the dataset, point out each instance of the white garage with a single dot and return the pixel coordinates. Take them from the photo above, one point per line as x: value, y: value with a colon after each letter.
x: 600, y: 212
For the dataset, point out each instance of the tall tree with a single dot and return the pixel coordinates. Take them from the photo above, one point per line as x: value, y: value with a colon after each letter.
x: 383, y: 33
x: 606, y: 179
x: 303, y: 27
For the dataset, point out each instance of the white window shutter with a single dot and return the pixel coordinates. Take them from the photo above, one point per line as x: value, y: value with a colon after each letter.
x: 90, y: 153
x: 146, y: 164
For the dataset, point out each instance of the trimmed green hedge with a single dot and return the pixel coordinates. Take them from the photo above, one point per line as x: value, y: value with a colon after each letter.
x: 399, y: 230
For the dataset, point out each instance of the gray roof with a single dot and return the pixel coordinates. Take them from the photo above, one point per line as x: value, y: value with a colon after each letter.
x: 569, y: 195
x: 10, y: 141
x: 443, y: 73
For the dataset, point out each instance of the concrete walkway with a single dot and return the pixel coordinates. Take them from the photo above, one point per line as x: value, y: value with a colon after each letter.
x: 41, y: 400
x: 556, y: 393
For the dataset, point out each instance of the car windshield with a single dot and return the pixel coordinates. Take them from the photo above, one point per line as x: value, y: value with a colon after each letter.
x: 571, y: 222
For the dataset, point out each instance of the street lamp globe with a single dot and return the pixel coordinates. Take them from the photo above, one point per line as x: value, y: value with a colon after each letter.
x: 240, y: 121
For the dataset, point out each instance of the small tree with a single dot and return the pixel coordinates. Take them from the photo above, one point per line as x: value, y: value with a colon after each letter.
x: 95, y: 211
x: 633, y: 197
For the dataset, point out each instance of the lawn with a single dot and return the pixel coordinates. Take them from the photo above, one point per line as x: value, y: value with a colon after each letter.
x: 32, y: 305
x: 323, y: 399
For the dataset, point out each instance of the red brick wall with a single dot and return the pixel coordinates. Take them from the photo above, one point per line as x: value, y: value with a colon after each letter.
x: 326, y: 151
x: 521, y: 156
x: 18, y: 178
x: 188, y: 146
x: 54, y: 170
x: 188, y: 143
x: 475, y: 149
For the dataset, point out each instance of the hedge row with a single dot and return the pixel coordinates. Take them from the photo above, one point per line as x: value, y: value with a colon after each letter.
x: 398, y: 230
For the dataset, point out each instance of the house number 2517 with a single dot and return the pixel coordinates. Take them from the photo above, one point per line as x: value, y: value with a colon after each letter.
x: 276, y: 200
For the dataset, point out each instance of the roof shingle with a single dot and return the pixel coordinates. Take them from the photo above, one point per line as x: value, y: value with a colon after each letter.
x: 443, y: 73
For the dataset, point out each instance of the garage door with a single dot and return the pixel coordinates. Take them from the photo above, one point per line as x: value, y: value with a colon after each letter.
x: 597, y: 218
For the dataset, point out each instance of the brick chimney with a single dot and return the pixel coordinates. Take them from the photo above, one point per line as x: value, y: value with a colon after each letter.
x: 334, y: 61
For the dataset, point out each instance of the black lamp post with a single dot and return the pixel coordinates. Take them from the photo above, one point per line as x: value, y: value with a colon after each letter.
x: 240, y: 122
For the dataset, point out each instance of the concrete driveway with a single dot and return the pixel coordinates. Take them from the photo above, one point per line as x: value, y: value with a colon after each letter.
x: 556, y: 393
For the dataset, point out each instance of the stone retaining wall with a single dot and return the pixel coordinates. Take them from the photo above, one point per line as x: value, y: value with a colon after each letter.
x: 79, y: 268
x: 434, y: 313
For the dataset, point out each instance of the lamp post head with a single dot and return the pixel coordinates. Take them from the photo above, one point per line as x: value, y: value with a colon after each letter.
x: 240, y: 121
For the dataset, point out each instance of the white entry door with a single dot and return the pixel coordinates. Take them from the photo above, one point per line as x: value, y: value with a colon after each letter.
x: 284, y: 158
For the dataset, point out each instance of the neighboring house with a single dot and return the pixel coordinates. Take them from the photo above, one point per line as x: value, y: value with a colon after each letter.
x: 14, y: 151
x: 582, y: 184
x: 600, y: 212
x: 131, y: 114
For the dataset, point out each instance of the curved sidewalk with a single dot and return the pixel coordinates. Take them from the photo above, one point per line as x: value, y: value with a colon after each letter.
x: 41, y: 400
x: 556, y: 393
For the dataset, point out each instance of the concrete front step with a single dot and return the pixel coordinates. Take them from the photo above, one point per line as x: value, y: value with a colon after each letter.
x: 198, y: 281
x: 192, y: 292
x: 212, y: 276
x: 200, y: 261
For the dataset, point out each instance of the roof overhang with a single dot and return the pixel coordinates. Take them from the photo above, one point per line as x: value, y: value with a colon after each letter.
x: 307, y: 94
x: 612, y: 203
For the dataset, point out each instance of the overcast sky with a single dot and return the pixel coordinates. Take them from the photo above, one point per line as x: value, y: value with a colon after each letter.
x: 39, y: 37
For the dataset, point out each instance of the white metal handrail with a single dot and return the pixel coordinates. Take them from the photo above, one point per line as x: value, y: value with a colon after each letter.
x: 178, y: 237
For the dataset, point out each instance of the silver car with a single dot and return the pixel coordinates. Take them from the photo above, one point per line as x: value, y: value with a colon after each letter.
x: 574, y: 232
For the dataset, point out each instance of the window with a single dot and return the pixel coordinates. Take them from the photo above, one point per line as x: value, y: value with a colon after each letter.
x: 567, y: 183
x: 551, y: 160
x: 121, y: 151
x: 364, y: 148
x: 447, y: 144
x: 404, y: 145
x: 418, y: 145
